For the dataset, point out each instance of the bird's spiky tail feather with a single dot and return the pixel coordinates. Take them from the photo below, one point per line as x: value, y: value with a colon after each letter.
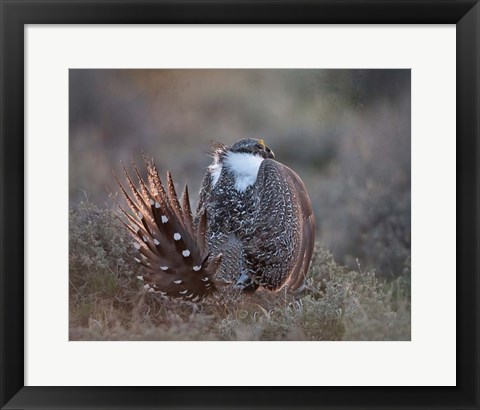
x: 172, y: 250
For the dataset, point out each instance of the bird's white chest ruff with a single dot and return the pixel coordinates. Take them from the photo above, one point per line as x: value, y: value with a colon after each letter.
x: 244, y: 168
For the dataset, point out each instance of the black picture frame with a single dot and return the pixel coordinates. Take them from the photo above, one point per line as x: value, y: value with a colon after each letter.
x: 16, y: 14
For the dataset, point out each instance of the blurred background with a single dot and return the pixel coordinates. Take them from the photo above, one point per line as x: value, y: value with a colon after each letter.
x: 345, y: 132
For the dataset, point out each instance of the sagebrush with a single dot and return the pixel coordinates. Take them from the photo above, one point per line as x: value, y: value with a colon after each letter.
x: 108, y: 302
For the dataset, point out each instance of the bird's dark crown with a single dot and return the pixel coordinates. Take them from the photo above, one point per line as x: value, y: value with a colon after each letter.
x: 247, y: 145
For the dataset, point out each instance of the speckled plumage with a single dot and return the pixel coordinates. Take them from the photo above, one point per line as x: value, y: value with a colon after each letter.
x: 253, y: 227
x: 272, y: 219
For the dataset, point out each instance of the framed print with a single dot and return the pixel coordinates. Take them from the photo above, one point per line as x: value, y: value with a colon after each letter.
x: 324, y: 253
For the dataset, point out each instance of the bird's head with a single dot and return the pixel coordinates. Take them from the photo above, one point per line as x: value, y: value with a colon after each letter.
x: 252, y: 146
x: 241, y: 160
x: 245, y: 146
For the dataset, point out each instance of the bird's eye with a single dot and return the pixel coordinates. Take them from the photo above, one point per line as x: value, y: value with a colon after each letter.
x: 268, y: 149
x: 258, y: 146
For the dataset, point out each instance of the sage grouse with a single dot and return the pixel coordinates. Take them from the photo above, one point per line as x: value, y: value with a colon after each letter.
x: 254, y: 226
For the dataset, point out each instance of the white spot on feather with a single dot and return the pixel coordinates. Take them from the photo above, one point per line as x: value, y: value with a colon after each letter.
x: 244, y: 167
x: 205, y: 279
x: 177, y: 236
x: 215, y: 171
x: 157, y: 205
x: 151, y: 290
x: 186, y: 253
x: 146, y: 287
x: 197, y: 268
x: 140, y: 215
x: 182, y: 292
x: 164, y: 219
x: 136, y: 245
x: 156, y: 242
x: 177, y: 282
x: 151, y: 201
x: 164, y: 267
x: 138, y: 260
x: 196, y: 298
x: 140, y: 278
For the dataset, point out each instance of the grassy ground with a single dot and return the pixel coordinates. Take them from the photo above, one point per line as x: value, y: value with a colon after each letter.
x: 107, y: 302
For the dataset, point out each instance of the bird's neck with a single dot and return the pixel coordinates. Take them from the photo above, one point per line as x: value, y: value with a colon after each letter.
x: 243, y: 167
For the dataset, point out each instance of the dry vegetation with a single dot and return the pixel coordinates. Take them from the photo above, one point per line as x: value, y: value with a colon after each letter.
x: 107, y: 302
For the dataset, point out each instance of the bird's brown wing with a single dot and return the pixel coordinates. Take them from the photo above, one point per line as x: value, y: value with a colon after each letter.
x: 308, y: 230
x: 285, y: 227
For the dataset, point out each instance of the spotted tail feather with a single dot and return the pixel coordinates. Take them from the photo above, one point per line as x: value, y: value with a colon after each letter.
x: 171, y: 249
